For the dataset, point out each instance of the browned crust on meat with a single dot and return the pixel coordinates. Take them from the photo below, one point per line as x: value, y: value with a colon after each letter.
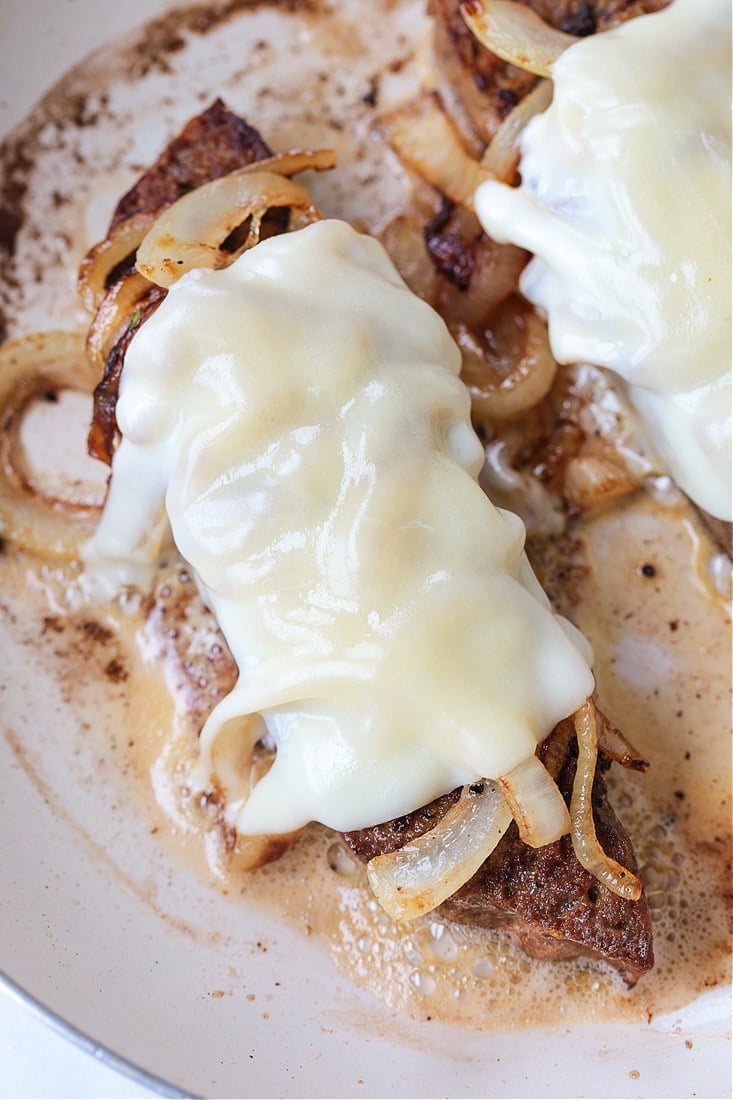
x: 486, y: 87
x: 211, y: 145
x: 557, y: 909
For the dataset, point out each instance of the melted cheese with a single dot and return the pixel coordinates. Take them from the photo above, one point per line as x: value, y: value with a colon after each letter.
x: 301, y: 414
x: 625, y: 202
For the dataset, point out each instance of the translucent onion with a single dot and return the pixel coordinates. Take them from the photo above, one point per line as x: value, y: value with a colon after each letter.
x: 535, y: 802
x: 510, y: 368
x: 594, y: 480
x: 30, y: 369
x: 501, y: 156
x: 415, y: 879
x: 404, y: 239
x: 423, y: 137
x: 113, y: 316
x: 587, y: 848
x: 121, y: 242
x: 189, y: 233
x: 516, y: 34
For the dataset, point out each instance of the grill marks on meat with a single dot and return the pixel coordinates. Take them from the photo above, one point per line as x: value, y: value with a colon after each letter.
x: 556, y: 908
x: 485, y: 86
x: 211, y: 145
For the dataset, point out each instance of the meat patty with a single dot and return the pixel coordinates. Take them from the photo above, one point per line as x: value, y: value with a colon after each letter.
x: 481, y: 88
x: 556, y: 908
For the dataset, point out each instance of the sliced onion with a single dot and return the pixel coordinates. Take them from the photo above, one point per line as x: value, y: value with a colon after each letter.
x: 536, y: 803
x: 516, y: 34
x: 189, y: 233
x: 415, y: 879
x: 113, y: 316
x: 294, y: 161
x: 30, y: 368
x: 95, y: 268
x: 594, y: 480
x: 587, y: 848
x: 615, y: 745
x: 404, y: 239
x: 495, y: 275
x: 426, y: 141
x: 510, y: 368
x: 501, y: 156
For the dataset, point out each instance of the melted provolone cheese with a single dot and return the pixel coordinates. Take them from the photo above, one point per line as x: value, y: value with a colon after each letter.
x: 625, y: 203
x: 301, y: 414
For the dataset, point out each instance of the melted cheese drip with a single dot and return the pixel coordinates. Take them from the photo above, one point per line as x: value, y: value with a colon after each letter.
x: 302, y: 414
x: 625, y: 202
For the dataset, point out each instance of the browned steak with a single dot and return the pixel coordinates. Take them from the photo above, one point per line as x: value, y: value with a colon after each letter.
x: 485, y: 88
x: 211, y: 145
x: 557, y: 909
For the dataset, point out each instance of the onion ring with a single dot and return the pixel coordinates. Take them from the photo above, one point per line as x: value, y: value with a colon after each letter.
x: 189, y: 233
x: 30, y: 368
x: 119, y: 244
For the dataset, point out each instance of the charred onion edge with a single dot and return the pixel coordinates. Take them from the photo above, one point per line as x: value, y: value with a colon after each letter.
x: 424, y: 139
x: 497, y: 396
x: 515, y: 33
x: 30, y: 368
x: 588, y: 850
x: 416, y: 878
x: 501, y: 156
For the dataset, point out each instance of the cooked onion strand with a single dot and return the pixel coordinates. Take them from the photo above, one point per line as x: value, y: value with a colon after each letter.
x: 535, y: 802
x: 586, y: 845
x: 415, y: 879
x: 516, y: 34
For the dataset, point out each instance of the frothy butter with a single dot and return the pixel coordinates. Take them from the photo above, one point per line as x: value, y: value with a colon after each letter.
x: 301, y: 416
x: 625, y: 201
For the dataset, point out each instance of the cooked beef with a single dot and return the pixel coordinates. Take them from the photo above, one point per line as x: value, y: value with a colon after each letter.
x: 555, y: 907
x: 211, y: 145
x: 483, y: 88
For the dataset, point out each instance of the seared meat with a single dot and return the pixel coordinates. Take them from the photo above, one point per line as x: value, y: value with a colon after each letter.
x: 483, y: 88
x: 556, y: 908
x: 209, y: 146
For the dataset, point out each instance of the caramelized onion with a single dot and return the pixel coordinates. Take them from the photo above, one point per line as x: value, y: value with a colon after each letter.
x: 587, y: 848
x: 30, y: 369
x: 510, y: 368
x: 594, y: 480
x: 96, y: 267
x: 404, y: 239
x: 426, y: 141
x: 516, y: 34
x: 415, y: 879
x: 615, y: 745
x: 501, y: 156
x: 494, y: 278
x: 535, y: 802
x: 190, y: 232
x: 113, y: 316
